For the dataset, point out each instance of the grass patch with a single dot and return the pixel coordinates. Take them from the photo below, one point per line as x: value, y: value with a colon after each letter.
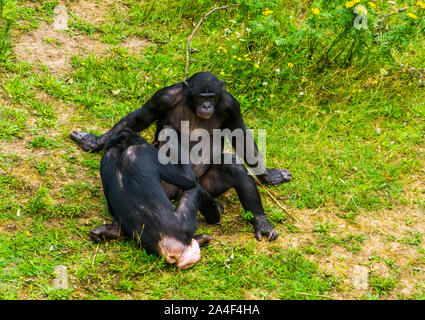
x: 343, y: 108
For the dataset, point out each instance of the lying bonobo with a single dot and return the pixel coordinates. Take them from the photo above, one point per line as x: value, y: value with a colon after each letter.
x: 131, y: 177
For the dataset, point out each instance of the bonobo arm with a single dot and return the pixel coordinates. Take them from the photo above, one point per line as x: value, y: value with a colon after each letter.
x: 178, y: 174
x: 250, y: 154
x: 161, y: 102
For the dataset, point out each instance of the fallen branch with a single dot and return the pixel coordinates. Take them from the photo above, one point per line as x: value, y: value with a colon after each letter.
x: 271, y: 195
x: 377, y: 24
x: 196, y: 29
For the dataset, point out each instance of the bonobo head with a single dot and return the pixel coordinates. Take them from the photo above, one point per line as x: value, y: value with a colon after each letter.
x: 204, y: 91
x: 169, y: 237
x: 175, y: 251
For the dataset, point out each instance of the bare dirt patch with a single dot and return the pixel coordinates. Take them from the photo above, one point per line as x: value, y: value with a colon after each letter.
x: 55, y: 48
x: 95, y: 12
x: 389, y: 249
x: 134, y: 44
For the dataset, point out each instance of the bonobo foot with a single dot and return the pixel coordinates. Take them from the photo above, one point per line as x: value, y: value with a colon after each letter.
x: 275, y: 177
x: 202, y: 239
x: 220, y: 208
x: 263, y: 228
x: 106, y: 232
x: 86, y: 140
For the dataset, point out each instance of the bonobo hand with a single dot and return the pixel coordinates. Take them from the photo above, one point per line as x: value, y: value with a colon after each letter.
x: 86, y: 140
x: 275, y: 177
x: 263, y: 228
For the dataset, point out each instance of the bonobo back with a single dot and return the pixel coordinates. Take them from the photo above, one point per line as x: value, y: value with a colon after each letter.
x: 131, y: 176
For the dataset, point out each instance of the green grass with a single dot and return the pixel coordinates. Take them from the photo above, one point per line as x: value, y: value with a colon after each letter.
x: 348, y: 124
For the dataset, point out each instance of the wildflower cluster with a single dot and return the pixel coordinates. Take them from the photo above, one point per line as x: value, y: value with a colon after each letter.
x: 412, y: 15
x: 351, y: 4
x: 267, y: 12
x: 315, y: 11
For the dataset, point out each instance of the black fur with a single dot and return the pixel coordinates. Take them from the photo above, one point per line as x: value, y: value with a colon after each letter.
x: 203, y: 102
x: 131, y: 176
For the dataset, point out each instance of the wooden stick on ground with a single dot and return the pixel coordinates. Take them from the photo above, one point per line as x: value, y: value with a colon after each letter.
x: 271, y: 195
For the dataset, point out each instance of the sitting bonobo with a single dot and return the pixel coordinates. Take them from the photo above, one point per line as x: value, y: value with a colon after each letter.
x: 131, y: 177
x: 203, y: 103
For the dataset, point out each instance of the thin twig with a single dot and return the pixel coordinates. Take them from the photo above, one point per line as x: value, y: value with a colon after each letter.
x: 341, y: 274
x: 196, y: 29
x: 377, y: 24
x: 94, y: 257
x: 271, y: 195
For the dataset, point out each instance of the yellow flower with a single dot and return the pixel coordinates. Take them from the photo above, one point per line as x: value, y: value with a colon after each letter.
x: 272, y: 96
x: 149, y: 87
x: 157, y: 85
x: 412, y: 15
x: 256, y: 65
x: 315, y: 10
x: 222, y: 73
x: 372, y: 5
x: 421, y: 4
x: 290, y: 65
x: 267, y: 12
x: 351, y: 4
x: 246, y: 55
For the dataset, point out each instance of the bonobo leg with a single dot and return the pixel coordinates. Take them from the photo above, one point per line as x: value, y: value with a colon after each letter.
x: 198, y: 199
x: 221, y: 177
x: 173, y: 192
x: 202, y: 239
x: 107, y: 232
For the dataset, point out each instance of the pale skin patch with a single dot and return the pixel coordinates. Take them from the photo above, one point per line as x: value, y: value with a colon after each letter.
x: 174, y: 251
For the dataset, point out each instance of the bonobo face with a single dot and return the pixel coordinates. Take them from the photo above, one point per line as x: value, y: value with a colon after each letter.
x: 204, y: 91
x: 205, y: 104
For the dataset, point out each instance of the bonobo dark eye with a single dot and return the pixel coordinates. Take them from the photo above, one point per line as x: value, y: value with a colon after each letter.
x: 208, y: 96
